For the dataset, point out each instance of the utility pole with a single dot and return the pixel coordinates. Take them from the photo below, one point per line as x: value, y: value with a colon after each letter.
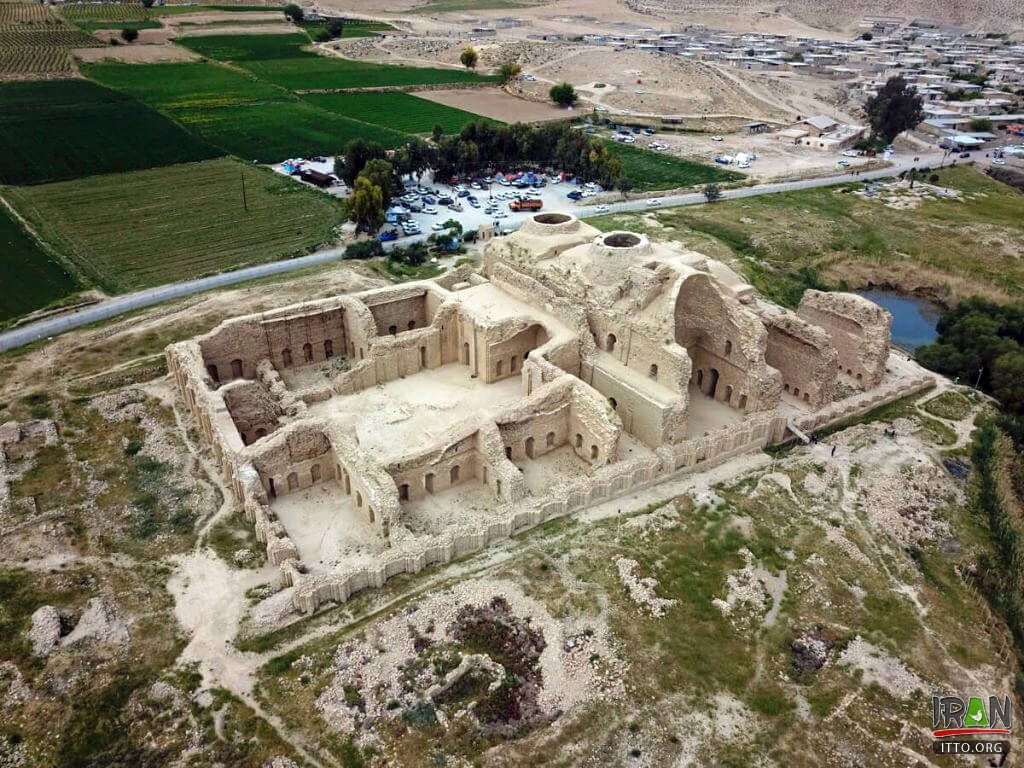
x: 245, y: 202
x: 977, y: 384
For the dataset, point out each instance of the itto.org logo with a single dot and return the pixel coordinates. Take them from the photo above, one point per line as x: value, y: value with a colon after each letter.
x: 954, y: 716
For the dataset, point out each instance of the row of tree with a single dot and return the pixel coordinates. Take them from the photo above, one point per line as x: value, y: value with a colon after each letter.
x: 481, y: 148
x: 982, y: 343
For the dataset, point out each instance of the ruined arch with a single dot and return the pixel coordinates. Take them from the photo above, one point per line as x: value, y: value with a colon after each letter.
x: 212, y: 370
x: 609, y: 343
x: 549, y: 440
x: 428, y: 482
x: 453, y: 475
x: 286, y: 357
x: 328, y: 348
x: 529, y: 447
x: 293, y: 481
x: 236, y: 368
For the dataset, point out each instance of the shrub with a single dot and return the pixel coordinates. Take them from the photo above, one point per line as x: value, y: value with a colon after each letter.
x: 364, y: 249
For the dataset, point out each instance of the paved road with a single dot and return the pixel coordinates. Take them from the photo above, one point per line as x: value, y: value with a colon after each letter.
x: 105, y: 310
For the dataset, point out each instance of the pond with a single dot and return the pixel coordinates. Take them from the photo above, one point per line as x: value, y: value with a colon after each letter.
x: 913, y: 318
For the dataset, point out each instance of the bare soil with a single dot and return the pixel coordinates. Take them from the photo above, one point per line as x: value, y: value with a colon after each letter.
x: 136, y: 54
x: 496, y: 104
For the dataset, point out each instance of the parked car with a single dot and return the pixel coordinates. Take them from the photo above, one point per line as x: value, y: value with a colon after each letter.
x: 575, y: 195
x: 445, y: 200
x: 717, y: 138
x: 431, y: 210
x: 851, y: 153
x: 601, y: 209
x: 999, y: 161
x: 599, y: 108
x: 654, y: 201
x: 427, y: 200
x: 436, y: 226
x: 390, y: 234
x: 965, y: 154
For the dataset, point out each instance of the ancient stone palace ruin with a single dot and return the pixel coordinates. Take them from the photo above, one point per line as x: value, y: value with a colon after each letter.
x: 374, y: 434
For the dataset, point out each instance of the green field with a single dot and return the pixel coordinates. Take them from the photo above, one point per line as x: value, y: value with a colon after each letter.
x: 351, y: 28
x: 396, y: 110
x: 279, y: 130
x: 786, y: 242
x: 147, y: 228
x: 78, y: 12
x: 651, y: 170
x: 31, y: 279
x: 65, y: 129
x: 280, y: 59
x: 237, y: 113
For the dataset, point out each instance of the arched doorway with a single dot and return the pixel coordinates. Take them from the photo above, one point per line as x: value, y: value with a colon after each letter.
x: 403, y: 492
x: 236, y: 368
x: 293, y: 481
x: 713, y: 382
x: 423, y: 357
x: 428, y: 482
x: 609, y: 343
x: 465, y: 352
x: 286, y: 357
x: 307, y: 352
x: 529, y: 447
x: 212, y: 370
x: 453, y: 475
x: 315, y: 473
x: 328, y: 348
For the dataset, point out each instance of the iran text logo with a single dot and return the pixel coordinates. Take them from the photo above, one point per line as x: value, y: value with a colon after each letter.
x: 958, y: 716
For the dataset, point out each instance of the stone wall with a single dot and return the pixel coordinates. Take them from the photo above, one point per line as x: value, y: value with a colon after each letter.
x: 804, y: 355
x: 859, y: 329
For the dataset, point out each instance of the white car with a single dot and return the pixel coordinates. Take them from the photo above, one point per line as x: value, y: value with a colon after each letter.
x: 851, y: 153
x: 717, y: 138
x: 436, y: 226
x: 501, y: 215
x: 654, y: 201
x: 599, y: 108
x: 743, y: 165
x: 601, y: 209
x: 999, y: 161
x: 431, y: 210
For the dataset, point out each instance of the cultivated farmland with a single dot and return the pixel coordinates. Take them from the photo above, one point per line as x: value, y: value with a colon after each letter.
x: 651, y: 170
x: 153, y: 227
x: 34, y: 42
x: 30, y: 277
x: 280, y: 59
x: 85, y: 129
x: 238, y: 113
x: 400, y: 111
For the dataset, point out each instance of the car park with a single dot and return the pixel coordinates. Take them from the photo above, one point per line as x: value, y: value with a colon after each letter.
x: 387, y: 235
x: 436, y: 226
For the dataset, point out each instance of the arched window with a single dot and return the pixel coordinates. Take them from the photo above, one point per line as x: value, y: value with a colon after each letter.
x: 453, y: 475
x: 236, y: 368
x: 412, y: 324
x: 393, y: 330
x: 728, y: 347
x: 212, y: 370
x: 286, y: 357
x: 359, y: 500
x: 307, y: 352
x: 315, y: 473
x: 529, y: 447
x: 423, y: 357
x: 428, y: 482
x: 293, y: 481
x: 508, y: 451
x: 499, y: 368
x: 613, y: 403
x: 328, y: 348
x: 743, y: 402
x: 700, y: 379
x: 465, y: 352
x: 609, y: 343
x: 549, y: 441
x: 593, y: 451
x: 653, y: 371
x: 579, y: 440
x: 403, y: 492
x: 512, y: 363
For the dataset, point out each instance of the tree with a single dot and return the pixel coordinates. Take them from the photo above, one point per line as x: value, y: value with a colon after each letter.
x: 509, y: 71
x: 382, y: 174
x: 867, y: 36
x: 895, y: 109
x: 357, y: 153
x: 438, y: 132
x: 980, y: 124
x: 147, y: 3
x: 563, y: 94
x: 712, y: 193
x: 625, y: 185
x: 129, y: 35
x: 294, y: 12
x: 469, y: 57
x: 335, y: 28
x: 366, y: 205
